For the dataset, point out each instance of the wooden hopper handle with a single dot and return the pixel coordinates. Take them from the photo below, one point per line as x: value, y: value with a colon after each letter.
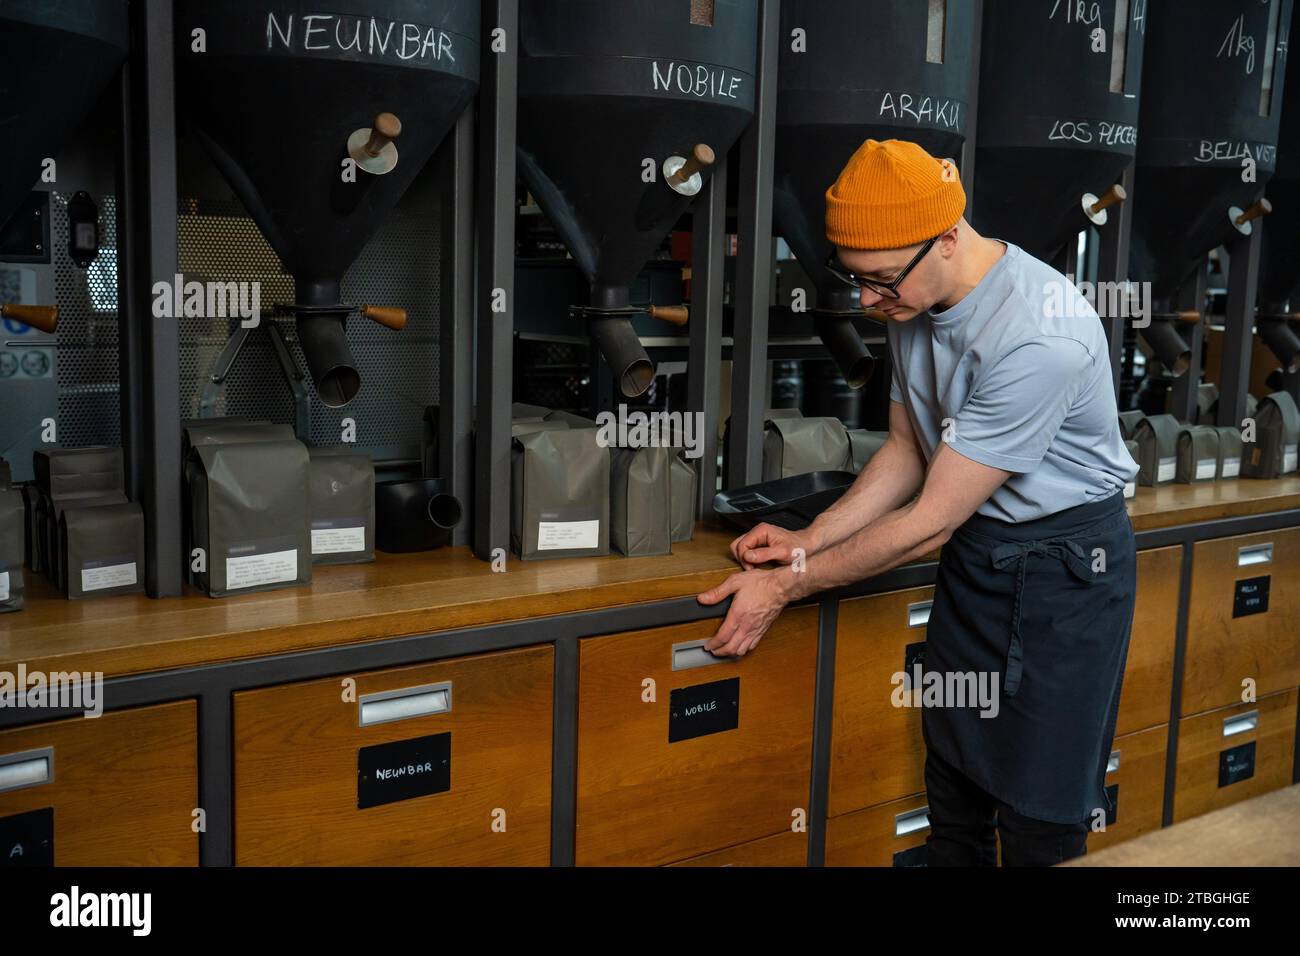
x: 387, y: 316
x: 384, y: 130
x: 676, y: 314
x: 1190, y: 316
x: 1261, y: 208
x: 701, y: 156
x: 42, y: 317
x: 1113, y: 195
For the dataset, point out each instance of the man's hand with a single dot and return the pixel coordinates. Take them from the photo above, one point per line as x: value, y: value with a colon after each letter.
x: 766, y: 542
x: 757, y: 599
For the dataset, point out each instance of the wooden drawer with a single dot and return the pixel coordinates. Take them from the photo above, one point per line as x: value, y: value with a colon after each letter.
x: 123, y: 787
x: 1137, y: 785
x: 877, y: 753
x: 784, y: 849
x: 1223, y: 650
x: 1212, y: 743
x: 299, y: 753
x: 892, y: 834
x: 1149, y: 672
x: 643, y: 800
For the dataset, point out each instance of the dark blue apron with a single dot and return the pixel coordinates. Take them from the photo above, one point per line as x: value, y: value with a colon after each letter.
x: 1029, y: 603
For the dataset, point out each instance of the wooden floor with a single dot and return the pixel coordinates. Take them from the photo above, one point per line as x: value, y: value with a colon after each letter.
x: 439, y: 590
x: 1263, y: 831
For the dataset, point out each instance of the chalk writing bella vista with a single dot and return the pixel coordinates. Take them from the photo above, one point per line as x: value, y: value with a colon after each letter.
x: 367, y: 36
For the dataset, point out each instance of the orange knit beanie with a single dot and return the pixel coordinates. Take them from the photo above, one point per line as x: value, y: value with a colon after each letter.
x: 892, y: 194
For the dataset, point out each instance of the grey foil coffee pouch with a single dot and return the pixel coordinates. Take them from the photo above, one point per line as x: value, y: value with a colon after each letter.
x: 863, y: 446
x: 12, y: 533
x: 685, y: 485
x: 559, y: 494
x: 1230, y: 448
x: 1198, y: 454
x: 798, y: 446
x: 342, y: 506
x: 1157, y: 438
x: 640, y: 500
x: 251, y: 516
x: 1277, y: 437
x: 102, y: 550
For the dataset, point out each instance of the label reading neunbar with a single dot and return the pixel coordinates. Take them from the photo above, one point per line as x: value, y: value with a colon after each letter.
x: 1231, y: 467
x: 337, y: 535
x: 568, y: 535
x: 104, y: 573
x: 1206, y: 468
x: 1166, y: 470
x: 261, y: 562
x: 1288, y: 458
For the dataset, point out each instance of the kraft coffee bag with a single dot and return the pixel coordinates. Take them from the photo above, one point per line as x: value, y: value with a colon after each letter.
x: 12, y: 519
x: 559, y: 493
x: 1198, y: 454
x: 1130, y: 488
x: 6, y: 474
x: 102, y: 549
x: 1157, y: 438
x: 1229, y: 451
x: 797, y: 446
x: 342, y: 506
x: 251, y: 505
x: 863, y: 446
x: 1277, y: 436
x: 685, y: 483
x: 640, y: 500
x: 30, y: 495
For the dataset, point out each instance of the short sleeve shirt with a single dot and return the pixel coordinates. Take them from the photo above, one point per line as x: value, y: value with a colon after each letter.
x: 1017, y: 376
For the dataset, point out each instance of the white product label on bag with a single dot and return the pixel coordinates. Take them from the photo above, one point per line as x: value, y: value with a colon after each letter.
x: 1288, y: 458
x: 1130, y: 489
x: 1206, y: 468
x: 1166, y: 470
x: 568, y: 535
x: 1231, y: 467
x: 337, y: 540
x: 254, y: 569
x: 107, y: 576
x: 4, y: 585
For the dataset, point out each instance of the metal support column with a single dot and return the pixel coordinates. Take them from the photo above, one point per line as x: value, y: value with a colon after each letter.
x: 456, y: 319
x: 498, y: 107
x: 704, y: 359
x: 149, y: 347
x: 1112, y: 266
x: 754, y: 263
x: 1239, y: 326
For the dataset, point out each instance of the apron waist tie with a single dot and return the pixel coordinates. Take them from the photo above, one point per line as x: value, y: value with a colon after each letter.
x: 1017, y: 553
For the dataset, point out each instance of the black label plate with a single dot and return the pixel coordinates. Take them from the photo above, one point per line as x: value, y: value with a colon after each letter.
x: 913, y: 657
x: 704, y: 709
x: 1112, y: 792
x: 1250, y: 596
x: 403, y: 769
x: 27, y: 839
x: 916, y: 856
x: 1237, y: 764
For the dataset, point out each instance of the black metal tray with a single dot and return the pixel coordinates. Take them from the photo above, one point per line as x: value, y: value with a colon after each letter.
x: 790, y: 503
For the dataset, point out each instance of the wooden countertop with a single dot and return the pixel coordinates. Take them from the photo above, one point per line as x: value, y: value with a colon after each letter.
x: 399, y: 595
x: 1261, y: 831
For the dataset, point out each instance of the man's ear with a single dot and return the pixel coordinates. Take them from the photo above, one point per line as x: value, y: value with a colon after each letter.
x: 948, y: 242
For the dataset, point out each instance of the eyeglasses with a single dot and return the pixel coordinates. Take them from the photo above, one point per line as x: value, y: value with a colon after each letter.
x: 888, y: 290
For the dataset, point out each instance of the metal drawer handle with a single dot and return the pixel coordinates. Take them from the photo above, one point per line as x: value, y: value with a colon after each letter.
x: 918, y: 614
x: 1113, y: 763
x: 1241, y: 723
x: 1255, y: 554
x: 390, y: 705
x: 690, y: 654
x: 912, y: 821
x: 32, y: 768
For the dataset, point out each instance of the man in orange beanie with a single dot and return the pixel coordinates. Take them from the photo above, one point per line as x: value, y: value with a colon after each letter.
x: 1004, y: 448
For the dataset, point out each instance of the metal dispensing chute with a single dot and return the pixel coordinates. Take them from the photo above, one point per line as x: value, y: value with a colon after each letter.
x: 838, y: 88
x: 1058, y: 115
x: 624, y: 106
x: 320, y: 119
x: 1208, y: 145
x: 55, y: 61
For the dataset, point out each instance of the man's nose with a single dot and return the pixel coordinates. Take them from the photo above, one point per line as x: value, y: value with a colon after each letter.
x: 870, y: 297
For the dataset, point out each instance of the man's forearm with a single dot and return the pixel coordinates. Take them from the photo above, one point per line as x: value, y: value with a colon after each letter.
x: 902, y: 535
x: 890, y: 480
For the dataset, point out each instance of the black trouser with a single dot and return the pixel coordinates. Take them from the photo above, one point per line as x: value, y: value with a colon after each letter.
x: 964, y: 818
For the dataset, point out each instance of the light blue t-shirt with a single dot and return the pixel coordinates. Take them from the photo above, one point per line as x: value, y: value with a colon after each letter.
x: 1017, y: 376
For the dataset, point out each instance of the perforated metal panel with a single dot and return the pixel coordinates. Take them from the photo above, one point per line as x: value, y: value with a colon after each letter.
x: 399, y: 370
x: 86, y: 364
